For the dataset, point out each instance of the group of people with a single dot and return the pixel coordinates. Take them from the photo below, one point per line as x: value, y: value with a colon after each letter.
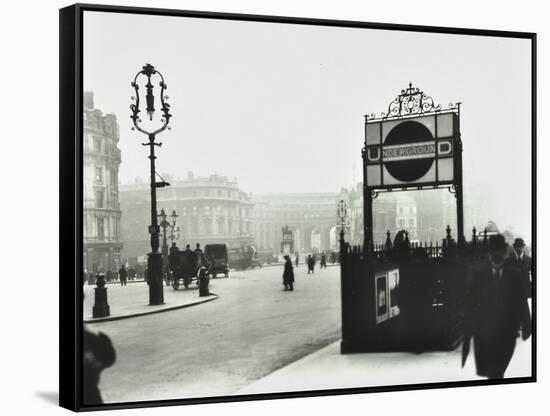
x: 311, y: 260
x: 174, y: 249
x: 497, y: 310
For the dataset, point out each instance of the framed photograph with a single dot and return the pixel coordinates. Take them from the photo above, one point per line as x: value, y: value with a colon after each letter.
x: 261, y: 207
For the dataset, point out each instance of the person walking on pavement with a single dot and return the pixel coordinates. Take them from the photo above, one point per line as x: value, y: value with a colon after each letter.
x: 122, y: 275
x: 297, y: 259
x: 496, y: 309
x: 288, y: 274
x: 522, y: 262
x: 323, y: 261
x: 310, y: 264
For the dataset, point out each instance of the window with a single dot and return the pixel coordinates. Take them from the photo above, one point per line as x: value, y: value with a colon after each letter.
x: 207, y: 226
x: 99, y: 199
x: 100, y: 228
x: 99, y: 174
x: 113, y: 177
x: 97, y: 145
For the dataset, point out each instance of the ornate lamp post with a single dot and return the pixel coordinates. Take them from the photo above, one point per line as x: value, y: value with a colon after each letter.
x: 164, y: 224
x: 174, y: 229
x: 154, y: 263
x: 342, y: 212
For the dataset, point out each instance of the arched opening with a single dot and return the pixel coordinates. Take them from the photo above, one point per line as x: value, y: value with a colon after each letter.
x: 297, y: 240
x: 315, y: 240
x: 334, y: 238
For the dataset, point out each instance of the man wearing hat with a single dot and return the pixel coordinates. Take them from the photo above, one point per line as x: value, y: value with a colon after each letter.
x: 521, y: 261
x: 496, y: 309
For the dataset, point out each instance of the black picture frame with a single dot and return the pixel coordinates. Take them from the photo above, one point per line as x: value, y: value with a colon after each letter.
x: 71, y: 207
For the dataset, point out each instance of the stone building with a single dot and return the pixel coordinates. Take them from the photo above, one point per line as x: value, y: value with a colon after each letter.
x: 101, y: 211
x: 210, y: 210
x: 310, y: 216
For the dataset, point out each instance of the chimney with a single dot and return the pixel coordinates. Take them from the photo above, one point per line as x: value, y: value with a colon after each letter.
x: 88, y: 100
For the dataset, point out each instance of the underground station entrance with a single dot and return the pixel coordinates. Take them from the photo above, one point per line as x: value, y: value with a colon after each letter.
x: 399, y: 296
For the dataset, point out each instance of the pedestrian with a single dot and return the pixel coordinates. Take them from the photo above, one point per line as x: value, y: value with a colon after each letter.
x: 175, y: 249
x: 297, y: 259
x: 323, y: 261
x: 109, y: 276
x: 98, y: 354
x: 310, y: 264
x: 522, y: 262
x: 288, y: 274
x: 496, y: 309
x: 122, y: 275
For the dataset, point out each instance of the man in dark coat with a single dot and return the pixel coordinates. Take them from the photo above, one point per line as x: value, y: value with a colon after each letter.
x: 297, y: 259
x: 310, y: 264
x: 323, y: 261
x: 288, y: 274
x: 122, y: 275
x: 522, y: 262
x: 496, y: 309
x: 174, y: 248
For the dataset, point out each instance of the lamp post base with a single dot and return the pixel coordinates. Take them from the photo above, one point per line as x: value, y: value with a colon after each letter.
x: 154, y: 278
x: 101, y: 307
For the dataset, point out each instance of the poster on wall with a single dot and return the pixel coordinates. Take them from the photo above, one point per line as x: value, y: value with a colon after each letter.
x: 381, y: 291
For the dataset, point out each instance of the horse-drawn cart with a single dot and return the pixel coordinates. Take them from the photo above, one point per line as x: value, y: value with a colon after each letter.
x: 185, y: 266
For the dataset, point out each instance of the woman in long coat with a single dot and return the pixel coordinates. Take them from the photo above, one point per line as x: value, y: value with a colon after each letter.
x: 288, y: 274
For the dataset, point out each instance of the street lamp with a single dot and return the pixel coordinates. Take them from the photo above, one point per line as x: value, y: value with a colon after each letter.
x: 154, y: 262
x: 164, y: 224
x: 174, y: 229
x: 342, y: 212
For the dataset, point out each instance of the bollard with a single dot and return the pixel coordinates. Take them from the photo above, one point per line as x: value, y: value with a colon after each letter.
x: 203, y: 282
x: 101, y: 307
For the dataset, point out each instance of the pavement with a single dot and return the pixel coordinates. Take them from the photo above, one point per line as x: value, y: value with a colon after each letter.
x: 132, y: 300
x: 320, y: 368
x: 328, y: 369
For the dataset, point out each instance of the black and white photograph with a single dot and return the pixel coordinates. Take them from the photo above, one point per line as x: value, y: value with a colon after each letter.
x: 276, y: 207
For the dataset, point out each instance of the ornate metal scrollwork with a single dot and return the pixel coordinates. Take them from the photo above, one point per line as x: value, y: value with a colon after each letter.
x: 411, y: 101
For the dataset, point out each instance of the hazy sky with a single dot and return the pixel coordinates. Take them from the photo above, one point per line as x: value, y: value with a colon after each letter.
x: 281, y: 106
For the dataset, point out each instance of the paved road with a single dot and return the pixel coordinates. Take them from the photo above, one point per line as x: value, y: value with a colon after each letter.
x: 217, y: 348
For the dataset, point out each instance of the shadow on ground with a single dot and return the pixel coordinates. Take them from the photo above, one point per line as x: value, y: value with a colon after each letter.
x: 51, y: 397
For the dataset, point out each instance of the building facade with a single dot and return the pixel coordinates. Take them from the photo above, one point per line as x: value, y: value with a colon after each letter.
x: 310, y: 216
x: 101, y: 210
x: 210, y: 210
